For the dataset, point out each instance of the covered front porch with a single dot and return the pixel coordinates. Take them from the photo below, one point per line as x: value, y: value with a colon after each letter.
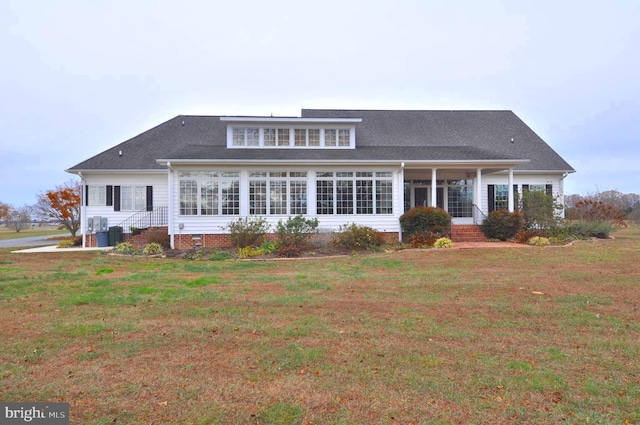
x: 458, y: 189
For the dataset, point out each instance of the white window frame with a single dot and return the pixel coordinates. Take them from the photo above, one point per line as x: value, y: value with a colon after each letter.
x: 97, y: 196
x: 333, y: 179
x: 270, y: 178
x: 219, y: 207
x: 343, y: 137
x: 135, y: 200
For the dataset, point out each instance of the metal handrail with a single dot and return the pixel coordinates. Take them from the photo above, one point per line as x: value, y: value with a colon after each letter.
x: 144, y: 219
x: 478, y: 215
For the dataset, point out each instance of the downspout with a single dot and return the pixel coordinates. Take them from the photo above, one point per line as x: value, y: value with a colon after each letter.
x: 82, y: 209
x: 170, y: 206
x: 401, y: 197
x: 564, y: 207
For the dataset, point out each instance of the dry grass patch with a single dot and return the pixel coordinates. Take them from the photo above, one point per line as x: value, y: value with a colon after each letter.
x: 544, y: 335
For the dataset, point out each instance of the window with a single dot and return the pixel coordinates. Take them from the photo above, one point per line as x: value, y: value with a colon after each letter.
x: 277, y: 193
x: 329, y: 137
x: 314, y: 137
x: 209, y: 193
x: 362, y: 192
x: 269, y: 136
x: 460, y: 198
x: 344, y: 138
x: 283, y: 137
x: 243, y: 136
x: 133, y: 198
x: 97, y: 195
x: 300, y: 137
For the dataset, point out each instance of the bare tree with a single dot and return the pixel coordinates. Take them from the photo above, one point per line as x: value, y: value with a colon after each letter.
x: 19, y: 218
x: 62, y: 205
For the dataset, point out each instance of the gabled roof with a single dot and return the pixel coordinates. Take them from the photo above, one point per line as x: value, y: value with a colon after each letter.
x: 488, y: 130
x: 381, y: 136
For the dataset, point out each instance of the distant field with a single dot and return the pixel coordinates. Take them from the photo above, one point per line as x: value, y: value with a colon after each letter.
x: 484, y: 336
x: 36, y: 230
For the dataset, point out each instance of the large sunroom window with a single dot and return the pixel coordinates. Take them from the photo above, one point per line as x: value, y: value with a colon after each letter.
x: 348, y: 192
x: 277, y: 193
x: 209, y: 193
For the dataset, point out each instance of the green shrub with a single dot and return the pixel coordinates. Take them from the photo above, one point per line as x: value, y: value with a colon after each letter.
x: 502, y: 225
x: 247, y: 252
x: 423, y: 239
x: 67, y: 243
x: 152, y: 249
x: 539, y: 241
x: 247, y: 231
x: 293, y: 235
x: 587, y: 229
x: 425, y: 219
x: 160, y: 237
x: 219, y: 256
x: 267, y: 248
x: 354, y: 236
x: 443, y: 243
x: 124, y: 248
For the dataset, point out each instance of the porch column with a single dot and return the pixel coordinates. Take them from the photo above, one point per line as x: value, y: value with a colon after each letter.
x: 479, y: 189
x: 434, y: 193
x: 511, y: 194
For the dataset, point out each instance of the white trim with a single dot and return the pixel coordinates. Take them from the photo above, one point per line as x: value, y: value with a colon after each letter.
x: 293, y: 120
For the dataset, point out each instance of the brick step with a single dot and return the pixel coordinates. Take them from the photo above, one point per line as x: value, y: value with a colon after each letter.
x: 467, y: 233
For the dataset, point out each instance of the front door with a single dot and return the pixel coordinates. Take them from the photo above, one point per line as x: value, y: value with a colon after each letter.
x: 421, y: 197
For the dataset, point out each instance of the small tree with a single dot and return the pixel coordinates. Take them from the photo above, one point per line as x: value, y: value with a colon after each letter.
x: 63, y: 205
x: 19, y: 218
x: 540, y: 210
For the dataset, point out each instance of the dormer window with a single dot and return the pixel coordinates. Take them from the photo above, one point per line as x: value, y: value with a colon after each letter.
x: 318, y: 133
x: 246, y: 136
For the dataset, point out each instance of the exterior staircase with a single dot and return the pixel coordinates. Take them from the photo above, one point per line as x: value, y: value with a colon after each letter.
x: 467, y: 233
x: 140, y: 239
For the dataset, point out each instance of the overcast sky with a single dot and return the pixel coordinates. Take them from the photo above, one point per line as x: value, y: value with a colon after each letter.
x: 78, y: 77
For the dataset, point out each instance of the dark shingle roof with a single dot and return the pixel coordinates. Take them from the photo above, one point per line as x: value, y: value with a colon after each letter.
x: 490, y: 130
x: 382, y: 135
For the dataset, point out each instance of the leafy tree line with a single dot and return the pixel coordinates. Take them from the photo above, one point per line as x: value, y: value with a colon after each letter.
x: 60, y: 206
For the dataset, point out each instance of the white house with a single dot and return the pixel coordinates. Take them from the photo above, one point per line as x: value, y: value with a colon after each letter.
x: 195, y: 174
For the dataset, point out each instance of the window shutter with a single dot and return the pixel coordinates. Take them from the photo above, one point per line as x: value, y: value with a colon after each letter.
x: 549, y: 189
x: 491, y: 197
x: 149, y: 198
x: 116, y: 198
x: 109, y: 196
x: 86, y: 195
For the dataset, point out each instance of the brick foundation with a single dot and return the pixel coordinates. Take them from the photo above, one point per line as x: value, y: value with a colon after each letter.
x: 184, y: 242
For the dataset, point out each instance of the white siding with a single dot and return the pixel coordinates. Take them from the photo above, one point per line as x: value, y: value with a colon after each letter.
x: 214, y: 224
x: 160, y: 193
x: 519, y: 180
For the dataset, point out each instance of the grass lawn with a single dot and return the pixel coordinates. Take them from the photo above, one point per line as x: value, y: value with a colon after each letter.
x: 44, y: 230
x: 485, y: 336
